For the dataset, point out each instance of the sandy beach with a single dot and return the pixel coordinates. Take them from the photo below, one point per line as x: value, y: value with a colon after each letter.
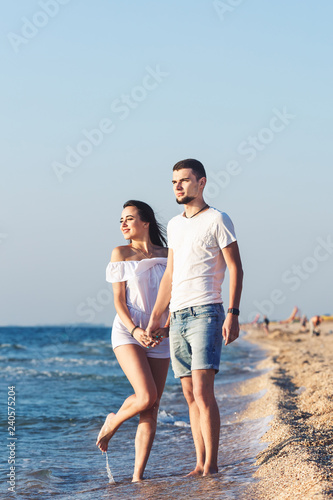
x: 297, y: 389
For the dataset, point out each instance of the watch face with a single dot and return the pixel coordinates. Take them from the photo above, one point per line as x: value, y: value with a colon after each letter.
x: 233, y: 310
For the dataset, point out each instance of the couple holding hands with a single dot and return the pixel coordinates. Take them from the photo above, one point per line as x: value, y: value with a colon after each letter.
x: 168, y: 303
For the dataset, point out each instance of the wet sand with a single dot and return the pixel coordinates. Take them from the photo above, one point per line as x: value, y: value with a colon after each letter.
x: 297, y: 383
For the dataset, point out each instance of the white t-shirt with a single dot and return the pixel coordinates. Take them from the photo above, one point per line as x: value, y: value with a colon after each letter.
x: 198, y: 265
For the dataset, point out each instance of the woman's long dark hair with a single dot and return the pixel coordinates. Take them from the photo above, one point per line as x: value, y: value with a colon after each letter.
x: 146, y: 213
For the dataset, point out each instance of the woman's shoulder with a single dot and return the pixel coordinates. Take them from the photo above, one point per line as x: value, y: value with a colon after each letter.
x: 161, y: 252
x: 126, y: 253
x: 121, y: 253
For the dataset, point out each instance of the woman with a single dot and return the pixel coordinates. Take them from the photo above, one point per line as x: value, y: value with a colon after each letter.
x: 135, y: 272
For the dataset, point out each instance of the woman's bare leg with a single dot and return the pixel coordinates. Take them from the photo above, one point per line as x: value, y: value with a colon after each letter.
x: 134, y: 364
x: 148, y: 419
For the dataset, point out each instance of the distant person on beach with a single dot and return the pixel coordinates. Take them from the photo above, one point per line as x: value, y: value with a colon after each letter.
x: 265, y: 324
x: 304, y: 321
x: 135, y: 272
x: 314, y: 323
x: 202, y: 243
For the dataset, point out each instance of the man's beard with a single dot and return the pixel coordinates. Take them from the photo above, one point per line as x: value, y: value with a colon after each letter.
x: 185, y: 200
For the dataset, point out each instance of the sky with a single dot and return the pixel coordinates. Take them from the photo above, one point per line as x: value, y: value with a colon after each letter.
x: 100, y: 99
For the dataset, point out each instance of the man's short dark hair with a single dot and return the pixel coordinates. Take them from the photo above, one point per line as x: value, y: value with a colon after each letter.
x: 196, y: 166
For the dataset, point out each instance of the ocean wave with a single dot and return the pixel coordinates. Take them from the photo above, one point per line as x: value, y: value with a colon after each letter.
x: 39, y: 360
x: 18, y: 371
x: 249, y: 369
x: 98, y: 343
x: 166, y: 418
x: 63, y: 424
x: 42, y: 473
x: 230, y: 368
x: 13, y: 346
x: 180, y: 423
x: 78, y: 361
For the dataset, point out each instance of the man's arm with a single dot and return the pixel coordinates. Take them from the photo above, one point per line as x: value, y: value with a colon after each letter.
x: 163, y: 297
x: 231, y: 256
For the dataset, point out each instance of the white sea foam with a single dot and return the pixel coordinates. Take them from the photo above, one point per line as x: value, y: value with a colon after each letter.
x: 20, y: 370
x: 98, y: 344
x: 180, y: 423
x: 164, y: 417
x: 14, y: 346
x: 79, y: 361
x: 249, y: 369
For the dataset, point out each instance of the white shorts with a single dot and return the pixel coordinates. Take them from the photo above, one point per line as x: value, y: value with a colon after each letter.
x: 121, y: 336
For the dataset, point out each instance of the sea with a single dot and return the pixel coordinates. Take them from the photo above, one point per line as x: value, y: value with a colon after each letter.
x: 58, y: 383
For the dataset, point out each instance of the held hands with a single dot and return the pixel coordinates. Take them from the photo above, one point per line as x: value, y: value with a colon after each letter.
x: 150, y: 340
x: 158, y: 336
x: 141, y: 336
x: 230, y: 330
x: 161, y: 333
x: 152, y: 328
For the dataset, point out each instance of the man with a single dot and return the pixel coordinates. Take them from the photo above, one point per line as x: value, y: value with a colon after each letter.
x: 201, y: 244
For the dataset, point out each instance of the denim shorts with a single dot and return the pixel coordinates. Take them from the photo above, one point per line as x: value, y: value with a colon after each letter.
x: 196, y: 339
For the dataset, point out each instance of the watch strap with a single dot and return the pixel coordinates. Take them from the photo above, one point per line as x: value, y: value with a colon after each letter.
x: 233, y: 310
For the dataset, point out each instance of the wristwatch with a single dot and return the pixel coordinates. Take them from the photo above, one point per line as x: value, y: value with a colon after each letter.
x: 233, y: 310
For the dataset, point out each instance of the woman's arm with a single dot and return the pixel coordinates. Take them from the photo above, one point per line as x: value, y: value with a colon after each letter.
x: 119, y: 297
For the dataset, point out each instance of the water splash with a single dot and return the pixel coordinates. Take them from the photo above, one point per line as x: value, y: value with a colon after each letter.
x: 108, y: 470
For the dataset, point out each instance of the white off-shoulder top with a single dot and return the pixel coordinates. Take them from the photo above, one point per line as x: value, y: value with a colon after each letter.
x: 142, y: 278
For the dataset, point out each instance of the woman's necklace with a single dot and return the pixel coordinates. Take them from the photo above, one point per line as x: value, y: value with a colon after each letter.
x: 147, y: 255
x: 203, y: 208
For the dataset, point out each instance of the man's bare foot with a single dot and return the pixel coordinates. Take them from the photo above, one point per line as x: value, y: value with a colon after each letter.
x: 210, y: 470
x: 105, y: 434
x: 198, y: 471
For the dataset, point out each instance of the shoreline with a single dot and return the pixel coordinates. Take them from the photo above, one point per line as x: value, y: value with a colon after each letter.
x: 296, y: 392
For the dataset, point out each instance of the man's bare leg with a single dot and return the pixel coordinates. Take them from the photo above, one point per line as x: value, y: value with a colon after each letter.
x: 195, y: 426
x: 203, y: 390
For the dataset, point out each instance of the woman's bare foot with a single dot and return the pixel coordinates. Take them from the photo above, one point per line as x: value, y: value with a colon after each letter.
x: 198, y: 471
x: 105, y: 434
